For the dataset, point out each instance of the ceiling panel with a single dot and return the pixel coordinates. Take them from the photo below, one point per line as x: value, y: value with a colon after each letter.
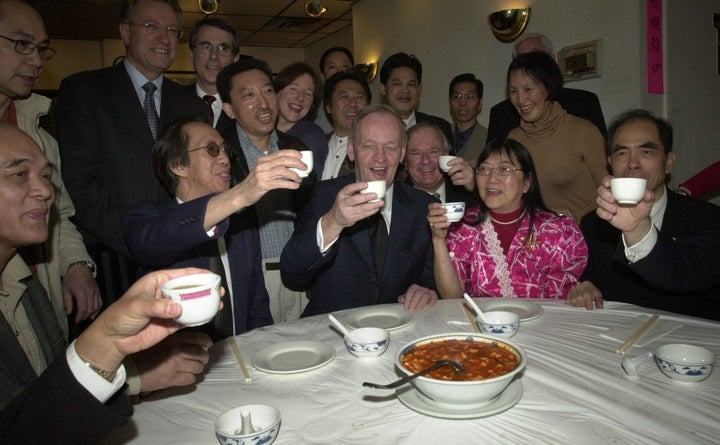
x: 277, y: 23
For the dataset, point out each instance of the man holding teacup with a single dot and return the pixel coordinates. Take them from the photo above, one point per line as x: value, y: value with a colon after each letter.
x: 661, y: 252
x: 353, y: 249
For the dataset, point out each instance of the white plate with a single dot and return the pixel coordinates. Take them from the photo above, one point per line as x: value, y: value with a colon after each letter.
x: 527, y: 310
x: 385, y: 317
x: 416, y: 401
x: 294, y: 356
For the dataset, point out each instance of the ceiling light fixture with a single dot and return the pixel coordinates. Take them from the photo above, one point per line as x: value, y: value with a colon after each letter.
x: 208, y: 6
x: 314, y: 8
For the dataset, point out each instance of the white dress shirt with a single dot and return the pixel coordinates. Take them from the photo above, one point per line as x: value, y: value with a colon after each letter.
x: 642, y: 248
x: 337, y: 151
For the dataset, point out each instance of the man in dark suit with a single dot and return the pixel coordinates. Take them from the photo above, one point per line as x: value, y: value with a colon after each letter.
x: 351, y: 249
x: 663, y: 252
x: 107, y: 124
x: 51, y: 392
x: 581, y: 103
x: 207, y: 218
x: 213, y: 45
x: 425, y: 144
x: 249, y: 98
x: 400, y: 85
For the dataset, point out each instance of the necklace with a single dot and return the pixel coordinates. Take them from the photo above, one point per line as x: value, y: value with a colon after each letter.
x: 507, y: 223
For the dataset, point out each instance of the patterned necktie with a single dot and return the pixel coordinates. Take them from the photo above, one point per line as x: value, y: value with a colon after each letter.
x: 208, y: 104
x: 149, y: 107
x: 223, y: 323
x: 379, y: 237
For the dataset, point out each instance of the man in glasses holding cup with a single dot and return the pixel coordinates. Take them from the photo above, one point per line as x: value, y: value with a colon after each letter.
x: 207, y: 224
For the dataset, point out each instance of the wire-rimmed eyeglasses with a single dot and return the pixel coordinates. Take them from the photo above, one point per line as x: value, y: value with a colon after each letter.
x: 26, y: 47
x: 222, y: 49
x: 484, y: 170
x: 154, y: 29
x: 213, y: 149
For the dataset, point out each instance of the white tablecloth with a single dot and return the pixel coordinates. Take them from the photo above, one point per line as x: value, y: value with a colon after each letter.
x: 574, y: 389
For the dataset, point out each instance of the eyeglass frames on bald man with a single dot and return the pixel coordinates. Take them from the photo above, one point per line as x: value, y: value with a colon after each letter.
x: 213, y: 149
x: 154, y: 29
x: 26, y: 47
x: 500, y: 171
x: 223, y: 49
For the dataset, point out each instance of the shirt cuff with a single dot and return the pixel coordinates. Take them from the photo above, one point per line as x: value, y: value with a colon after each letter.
x: 321, y: 240
x: 100, y: 388
x: 642, y: 248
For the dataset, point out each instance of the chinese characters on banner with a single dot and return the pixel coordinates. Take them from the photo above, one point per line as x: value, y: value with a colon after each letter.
x: 654, y: 47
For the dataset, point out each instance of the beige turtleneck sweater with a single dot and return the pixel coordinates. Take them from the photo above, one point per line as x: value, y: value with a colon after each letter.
x: 569, y: 157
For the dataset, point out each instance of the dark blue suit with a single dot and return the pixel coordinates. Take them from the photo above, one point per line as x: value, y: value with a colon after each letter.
x: 345, y: 277
x: 681, y: 274
x: 169, y: 235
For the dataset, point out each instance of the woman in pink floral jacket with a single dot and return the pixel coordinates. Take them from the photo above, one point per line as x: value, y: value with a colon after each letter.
x: 511, y: 245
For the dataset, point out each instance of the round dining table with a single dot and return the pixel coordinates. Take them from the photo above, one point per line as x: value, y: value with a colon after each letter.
x: 573, y: 389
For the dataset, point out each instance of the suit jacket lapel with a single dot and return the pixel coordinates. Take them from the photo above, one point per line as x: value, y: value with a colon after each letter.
x: 125, y: 100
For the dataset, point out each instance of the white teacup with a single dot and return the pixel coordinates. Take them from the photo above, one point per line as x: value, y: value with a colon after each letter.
x: 199, y: 296
x: 628, y: 190
x: 307, y: 159
x: 455, y: 210
x: 443, y: 162
x: 377, y: 187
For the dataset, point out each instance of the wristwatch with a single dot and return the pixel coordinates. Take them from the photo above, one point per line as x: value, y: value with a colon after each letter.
x: 88, y: 264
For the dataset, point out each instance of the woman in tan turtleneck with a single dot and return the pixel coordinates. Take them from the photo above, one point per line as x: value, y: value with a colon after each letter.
x: 569, y: 152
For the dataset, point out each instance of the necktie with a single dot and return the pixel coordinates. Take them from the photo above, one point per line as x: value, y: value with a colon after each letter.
x: 379, y: 237
x: 223, y: 322
x: 208, y: 104
x: 149, y: 107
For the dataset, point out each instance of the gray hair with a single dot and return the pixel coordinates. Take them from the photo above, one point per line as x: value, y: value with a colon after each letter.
x: 546, y: 42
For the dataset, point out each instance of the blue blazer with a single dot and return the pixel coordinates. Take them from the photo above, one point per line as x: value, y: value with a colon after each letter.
x: 345, y: 276
x: 171, y: 235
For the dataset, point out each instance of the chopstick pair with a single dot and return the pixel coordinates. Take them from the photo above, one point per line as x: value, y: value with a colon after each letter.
x: 240, y: 359
x: 638, y: 334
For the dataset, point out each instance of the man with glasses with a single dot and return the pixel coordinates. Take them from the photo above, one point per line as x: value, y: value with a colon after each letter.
x: 62, y: 264
x: 466, y: 93
x: 206, y: 219
x: 107, y: 122
x: 214, y: 44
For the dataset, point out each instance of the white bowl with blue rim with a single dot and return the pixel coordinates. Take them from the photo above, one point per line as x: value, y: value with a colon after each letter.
x: 367, y: 342
x: 685, y: 363
x: 500, y: 323
x: 263, y: 428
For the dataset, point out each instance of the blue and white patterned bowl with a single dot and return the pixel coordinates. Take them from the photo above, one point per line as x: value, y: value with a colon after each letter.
x: 685, y: 363
x: 265, y: 419
x: 367, y: 342
x: 502, y: 323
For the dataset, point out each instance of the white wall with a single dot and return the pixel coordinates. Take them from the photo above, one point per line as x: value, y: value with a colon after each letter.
x: 693, y: 95
x: 453, y: 37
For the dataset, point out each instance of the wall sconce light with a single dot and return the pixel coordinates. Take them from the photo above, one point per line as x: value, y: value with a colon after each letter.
x: 507, y: 25
x: 208, y: 6
x: 369, y: 70
x: 314, y: 8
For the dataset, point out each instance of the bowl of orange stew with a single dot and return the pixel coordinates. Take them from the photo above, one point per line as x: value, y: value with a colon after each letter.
x: 490, y: 365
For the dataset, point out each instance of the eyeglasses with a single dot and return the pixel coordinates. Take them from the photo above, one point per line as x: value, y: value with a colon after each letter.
x: 26, y: 47
x: 213, y: 149
x: 222, y: 50
x: 468, y: 96
x: 500, y: 171
x: 154, y: 29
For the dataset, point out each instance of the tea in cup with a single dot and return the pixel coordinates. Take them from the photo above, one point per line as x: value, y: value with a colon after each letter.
x: 628, y: 190
x: 377, y: 187
x: 443, y: 162
x: 199, y: 296
x: 307, y: 159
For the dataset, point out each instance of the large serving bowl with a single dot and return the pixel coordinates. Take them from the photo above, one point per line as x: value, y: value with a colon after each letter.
x: 462, y: 392
x: 685, y: 363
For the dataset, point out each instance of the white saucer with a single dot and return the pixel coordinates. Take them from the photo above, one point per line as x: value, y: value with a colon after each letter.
x: 416, y: 401
x: 527, y: 310
x: 294, y: 356
x: 381, y: 316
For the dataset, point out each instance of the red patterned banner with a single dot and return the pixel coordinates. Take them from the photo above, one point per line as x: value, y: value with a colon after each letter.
x: 655, y: 78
